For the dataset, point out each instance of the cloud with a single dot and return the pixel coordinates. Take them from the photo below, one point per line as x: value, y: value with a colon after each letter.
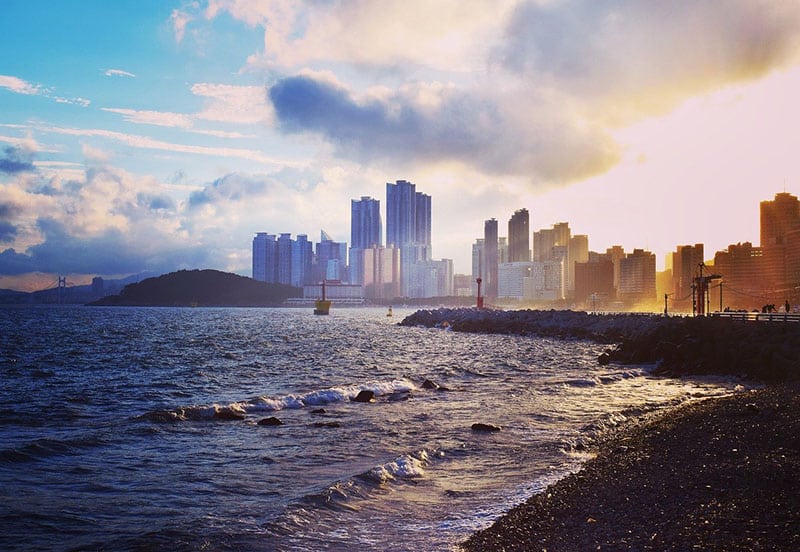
x: 19, y: 86
x: 112, y: 252
x: 118, y: 73
x: 145, y: 142
x: 231, y: 187
x: 83, y: 102
x: 180, y: 18
x: 159, y: 118
x: 94, y: 155
x: 15, y: 160
x: 15, y: 84
x: 435, y: 123
x: 233, y: 104
x: 107, y: 222
x: 224, y: 103
x: 7, y: 231
x: 447, y: 34
x: 641, y: 57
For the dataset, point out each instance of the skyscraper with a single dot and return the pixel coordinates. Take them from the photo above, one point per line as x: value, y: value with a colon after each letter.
x: 366, y: 229
x: 519, y: 248
x: 780, y: 242
x: 260, y: 244
x: 302, y: 256
x: 779, y: 217
x: 284, y: 258
x: 490, y: 257
x: 685, y: 266
x: 401, y: 211
x: 637, y: 277
x: 366, y: 232
x: 408, y: 227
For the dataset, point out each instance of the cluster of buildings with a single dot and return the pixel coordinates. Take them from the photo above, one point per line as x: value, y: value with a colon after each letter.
x: 370, y: 269
x: 548, y: 267
x: 559, y: 268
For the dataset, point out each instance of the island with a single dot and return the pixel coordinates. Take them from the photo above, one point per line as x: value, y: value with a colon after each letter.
x: 201, y: 288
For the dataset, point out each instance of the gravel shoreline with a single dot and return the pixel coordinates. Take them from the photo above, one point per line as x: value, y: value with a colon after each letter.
x: 713, y: 474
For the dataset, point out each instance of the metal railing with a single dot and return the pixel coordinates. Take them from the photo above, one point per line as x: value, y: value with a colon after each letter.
x: 759, y: 316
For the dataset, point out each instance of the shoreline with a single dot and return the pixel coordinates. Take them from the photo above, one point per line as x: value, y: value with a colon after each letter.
x: 715, y: 474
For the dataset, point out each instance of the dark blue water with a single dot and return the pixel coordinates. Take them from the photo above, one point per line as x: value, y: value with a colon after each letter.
x: 137, y: 428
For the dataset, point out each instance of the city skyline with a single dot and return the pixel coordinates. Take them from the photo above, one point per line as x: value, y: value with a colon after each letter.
x: 164, y: 136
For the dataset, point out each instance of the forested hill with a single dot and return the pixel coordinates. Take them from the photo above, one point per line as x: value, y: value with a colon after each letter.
x: 202, y: 288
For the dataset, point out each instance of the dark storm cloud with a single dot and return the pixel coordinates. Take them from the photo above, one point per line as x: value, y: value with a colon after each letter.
x: 110, y: 253
x: 15, y: 160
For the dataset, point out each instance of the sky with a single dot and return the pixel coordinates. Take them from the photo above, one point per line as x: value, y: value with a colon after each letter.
x: 156, y: 135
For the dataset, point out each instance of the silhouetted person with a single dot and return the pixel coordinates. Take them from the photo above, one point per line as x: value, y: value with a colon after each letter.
x: 788, y: 306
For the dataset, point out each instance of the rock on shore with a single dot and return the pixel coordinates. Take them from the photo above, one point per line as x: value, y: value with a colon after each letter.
x: 764, y: 351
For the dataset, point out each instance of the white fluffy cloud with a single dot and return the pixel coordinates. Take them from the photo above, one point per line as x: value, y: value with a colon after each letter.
x: 16, y: 84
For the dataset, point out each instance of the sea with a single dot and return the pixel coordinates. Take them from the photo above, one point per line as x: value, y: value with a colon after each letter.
x: 138, y: 428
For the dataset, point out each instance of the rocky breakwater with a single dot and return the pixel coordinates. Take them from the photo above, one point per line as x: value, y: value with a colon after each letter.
x: 765, y: 351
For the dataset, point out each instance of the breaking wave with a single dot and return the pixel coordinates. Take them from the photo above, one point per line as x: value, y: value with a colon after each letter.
x: 316, y: 398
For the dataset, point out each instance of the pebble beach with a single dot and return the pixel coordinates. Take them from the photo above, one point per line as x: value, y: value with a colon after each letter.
x: 711, y: 474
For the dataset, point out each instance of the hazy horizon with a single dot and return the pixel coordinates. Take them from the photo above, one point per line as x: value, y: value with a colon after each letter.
x: 159, y: 136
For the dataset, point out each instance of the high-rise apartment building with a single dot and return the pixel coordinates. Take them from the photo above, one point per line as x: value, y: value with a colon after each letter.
x: 638, y: 277
x: 779, y: 217
x: 686, y: 261
x: 381, y: 277
x: 263, y: 258
x: 741, y: 267
x: 282, y: 260
x: 616, y: 253
x: 408, y: 227
x: 519, y: 248
x: 780, y: 242
x: 490, y: 258
x: 366, y: 232
x: 578, y: 253
x: 423, y: 222
x: 478, y: 262
x: 366, y: 228
x: 594, y: 283
x: 302, y: 258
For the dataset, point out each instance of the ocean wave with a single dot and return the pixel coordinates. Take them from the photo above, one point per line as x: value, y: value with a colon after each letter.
x: 239, y: 410
x: 314, y: 510
x: 595, y: 379
x: 45, y: 448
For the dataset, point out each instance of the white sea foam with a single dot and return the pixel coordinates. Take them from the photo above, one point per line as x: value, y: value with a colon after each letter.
x: 402, y: 467
x: 284, y: 402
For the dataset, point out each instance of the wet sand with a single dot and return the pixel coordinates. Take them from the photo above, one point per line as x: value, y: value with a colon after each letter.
x: 716, y: 474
